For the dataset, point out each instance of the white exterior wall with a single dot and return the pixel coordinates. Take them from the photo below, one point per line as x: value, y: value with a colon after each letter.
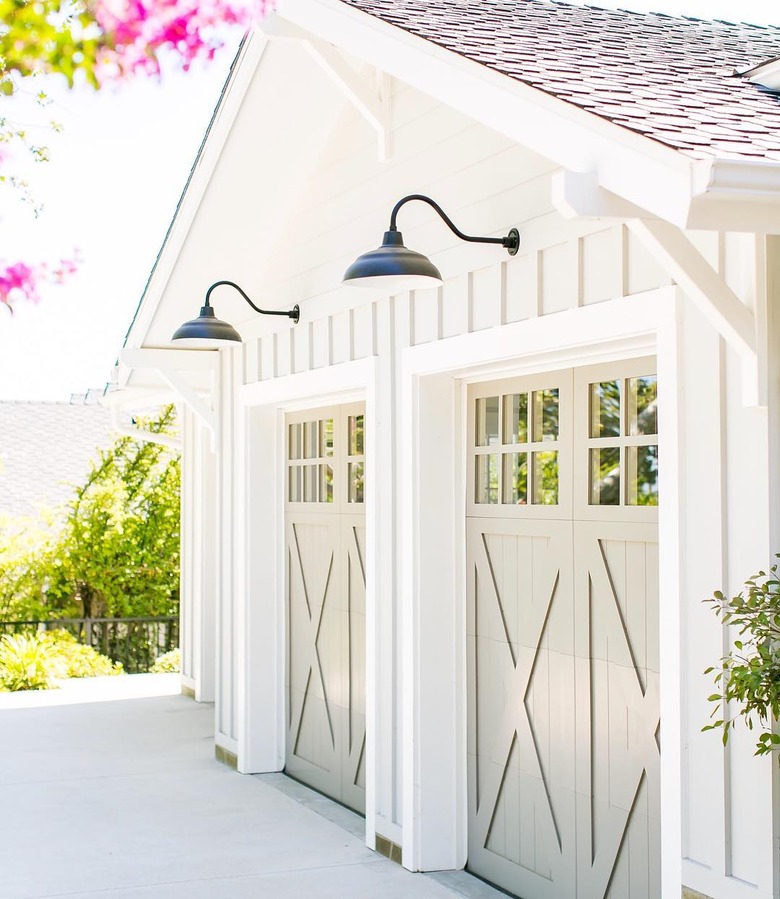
x: 487, y: 184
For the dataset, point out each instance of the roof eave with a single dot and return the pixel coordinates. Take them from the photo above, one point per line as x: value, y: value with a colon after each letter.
x: 644, y: 172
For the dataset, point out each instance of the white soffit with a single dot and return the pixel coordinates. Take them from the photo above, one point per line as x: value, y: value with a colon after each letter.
x: 647, y: 174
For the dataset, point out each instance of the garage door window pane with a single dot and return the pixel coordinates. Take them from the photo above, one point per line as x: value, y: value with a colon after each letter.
x: 310, y: 483
x: 326, y: 437
x: 643, y: 405
x: 295, y: 442
x: 605, y: 409
x: 326, y: 484
x: 605, y: 476
x: 356, y: 482
x: 516, y: 478
x: 545, y: 414
x: 545, y: 473
x: 486, y: 481
x: 642, y: 475
x: 355, y: 429
x: 487, y: 421
x: 295, y: 485
x: 310, y: 445
x: 516, y: 418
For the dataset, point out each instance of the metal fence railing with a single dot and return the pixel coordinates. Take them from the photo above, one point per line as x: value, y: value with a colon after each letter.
x: 135, y: 642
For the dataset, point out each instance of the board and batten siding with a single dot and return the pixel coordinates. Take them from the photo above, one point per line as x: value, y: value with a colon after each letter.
x: 339, y: 208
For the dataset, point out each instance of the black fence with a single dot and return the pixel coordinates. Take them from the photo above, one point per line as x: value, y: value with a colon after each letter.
x: 135, y: 642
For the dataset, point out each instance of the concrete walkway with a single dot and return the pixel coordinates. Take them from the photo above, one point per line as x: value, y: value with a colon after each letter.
x: 125, y: 799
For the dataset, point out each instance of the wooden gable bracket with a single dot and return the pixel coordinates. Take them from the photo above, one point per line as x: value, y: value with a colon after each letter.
x: 579, y: 195
x: 170, y: 365
x: 374, y: 107
x: 142, y: 433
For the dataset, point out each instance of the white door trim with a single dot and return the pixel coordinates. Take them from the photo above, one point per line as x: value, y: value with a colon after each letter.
x: 261, y: 609
x: 433, y: 556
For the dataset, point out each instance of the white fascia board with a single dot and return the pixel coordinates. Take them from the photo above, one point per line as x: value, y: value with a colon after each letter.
x: 744, y: 194
x: 224, y: 116
x: 659, y: 179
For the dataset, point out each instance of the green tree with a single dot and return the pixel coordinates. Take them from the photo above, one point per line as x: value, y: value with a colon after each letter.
x: 116, y: 554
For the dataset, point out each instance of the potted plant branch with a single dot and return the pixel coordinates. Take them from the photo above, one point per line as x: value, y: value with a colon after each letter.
x: 749, y: 676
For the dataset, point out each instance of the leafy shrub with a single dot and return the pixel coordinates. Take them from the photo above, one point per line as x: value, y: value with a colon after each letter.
x: 749, y: 676
x: 168, y: 663
x: 73, y: 659
x: 25, y: 663
x: 35, y: 661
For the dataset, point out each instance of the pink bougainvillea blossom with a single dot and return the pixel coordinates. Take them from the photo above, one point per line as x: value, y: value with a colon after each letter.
x: 138, y: 29
x: 21, y: 281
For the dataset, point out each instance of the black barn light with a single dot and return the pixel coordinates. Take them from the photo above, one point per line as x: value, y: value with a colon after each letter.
x: 395, y: 267
x: 208, y: 332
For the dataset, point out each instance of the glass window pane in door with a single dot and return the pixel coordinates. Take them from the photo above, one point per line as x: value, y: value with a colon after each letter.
x: 310, y: 444
x: 642, y: 475
x: 295, y: 482
x: 326, y: 437
x: 605, y: 476
x: 545, y: 478
x: 295, y: 441
x: 515, y: 481
x: 544, y: 404
x: 326, y: 484
x: 487, y: 421
x: 605, y: 409
x: 355, y: 482
x: 486, y: 479
x: 310, y: 483
x: 355, y: 435
x: 516, y: 418
x: 642, y: 399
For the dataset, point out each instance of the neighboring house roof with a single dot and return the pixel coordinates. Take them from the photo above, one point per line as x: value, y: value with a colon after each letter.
x: 46, y: 448
x: 674, y: 80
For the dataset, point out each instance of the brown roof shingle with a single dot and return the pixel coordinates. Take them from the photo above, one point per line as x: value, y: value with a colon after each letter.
x: 674, y: 80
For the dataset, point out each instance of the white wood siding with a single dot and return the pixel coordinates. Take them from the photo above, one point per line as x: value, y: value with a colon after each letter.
x: 332, y: 201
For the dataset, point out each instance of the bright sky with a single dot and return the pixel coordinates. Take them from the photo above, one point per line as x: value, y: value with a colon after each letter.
x: 111, y: 189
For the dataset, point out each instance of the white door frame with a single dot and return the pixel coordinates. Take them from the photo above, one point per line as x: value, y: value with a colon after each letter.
x: 433, y: 403
x: 261, y: 609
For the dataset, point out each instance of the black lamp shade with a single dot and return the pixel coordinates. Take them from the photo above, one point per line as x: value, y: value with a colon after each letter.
x: 393, y: 267
x: 206, y: 332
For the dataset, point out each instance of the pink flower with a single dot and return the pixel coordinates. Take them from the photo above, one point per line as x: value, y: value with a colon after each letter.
x: 21, y: 281
x: 138, y: 29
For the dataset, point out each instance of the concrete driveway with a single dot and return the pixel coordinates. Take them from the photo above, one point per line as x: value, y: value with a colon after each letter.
x: 124, y: 798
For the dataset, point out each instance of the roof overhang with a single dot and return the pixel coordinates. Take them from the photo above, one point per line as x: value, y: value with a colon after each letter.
x: 738, y: 195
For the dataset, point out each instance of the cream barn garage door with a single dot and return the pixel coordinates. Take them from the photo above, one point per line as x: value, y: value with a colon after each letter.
x: 563, y: 753
x: 326, y: 598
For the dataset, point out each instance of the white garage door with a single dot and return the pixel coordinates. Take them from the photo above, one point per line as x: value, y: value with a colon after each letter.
x: 563, y: 634
x: 326, y: 593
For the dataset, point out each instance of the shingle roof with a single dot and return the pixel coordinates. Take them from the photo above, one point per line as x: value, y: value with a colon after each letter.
x: 46, y: 448
x: 672, y: 79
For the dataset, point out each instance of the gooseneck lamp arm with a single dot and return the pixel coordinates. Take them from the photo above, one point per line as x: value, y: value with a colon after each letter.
x: 511, y: 242
x: 294, y: 313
